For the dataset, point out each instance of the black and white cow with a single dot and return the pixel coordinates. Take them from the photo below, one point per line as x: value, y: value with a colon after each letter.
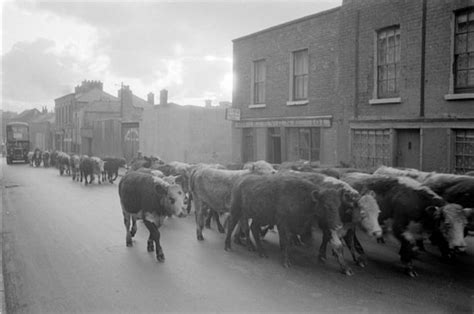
x: 413, y: 211
x: 111, y: 167
x: 151, y: 199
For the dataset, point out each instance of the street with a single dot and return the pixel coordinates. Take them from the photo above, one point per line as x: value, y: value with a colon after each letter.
x: 64, y: 252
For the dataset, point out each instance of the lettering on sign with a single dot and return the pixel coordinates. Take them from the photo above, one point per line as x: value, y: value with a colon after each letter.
x: 232, y: 114
x: 323, y: 123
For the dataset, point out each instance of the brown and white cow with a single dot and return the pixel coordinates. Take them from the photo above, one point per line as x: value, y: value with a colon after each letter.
x: 413, y: 210
x: 147, y: 197
x: 97, y: 169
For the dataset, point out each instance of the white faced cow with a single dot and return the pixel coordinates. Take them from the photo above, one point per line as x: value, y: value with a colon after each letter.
x: 147, y: 197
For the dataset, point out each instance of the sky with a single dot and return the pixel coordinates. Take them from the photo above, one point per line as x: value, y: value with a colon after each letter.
x: 49, y: 47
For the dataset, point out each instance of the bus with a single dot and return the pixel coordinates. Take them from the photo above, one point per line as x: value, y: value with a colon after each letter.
x: 18, y: 141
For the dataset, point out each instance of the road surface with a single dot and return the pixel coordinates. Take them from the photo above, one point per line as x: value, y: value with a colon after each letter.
x: 64, y: 252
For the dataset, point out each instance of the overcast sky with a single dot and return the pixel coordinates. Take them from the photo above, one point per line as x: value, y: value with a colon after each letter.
x: 183, y: 46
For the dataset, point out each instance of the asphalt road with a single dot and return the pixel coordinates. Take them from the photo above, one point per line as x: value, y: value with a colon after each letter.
x: 64, y: 252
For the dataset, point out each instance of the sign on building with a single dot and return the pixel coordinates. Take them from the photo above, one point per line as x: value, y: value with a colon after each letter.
x: 232, y: 114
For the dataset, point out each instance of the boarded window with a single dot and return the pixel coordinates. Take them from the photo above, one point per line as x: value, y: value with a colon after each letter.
x: 300, y: 75
x: 370, y: 148
x: 464, y: 150
x: 464, y: 51
x: 388, y: 62
x: 259, y: 82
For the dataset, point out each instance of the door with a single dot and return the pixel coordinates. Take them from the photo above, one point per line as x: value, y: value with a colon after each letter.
x: 130, y: 140
x: 247, y: 144
x: 274, y: 145
x: 408, y: 148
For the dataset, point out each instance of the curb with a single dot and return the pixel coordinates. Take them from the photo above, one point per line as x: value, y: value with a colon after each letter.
x: 2, y: 283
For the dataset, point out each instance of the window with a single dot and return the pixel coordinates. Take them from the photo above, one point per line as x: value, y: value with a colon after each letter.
x: 304, y: 143
x: 388, y: 62
x: 259, y: 82
x: 464, y: 52
x: 464, y: 150
x: 371, y: 148
x: 300, y: 75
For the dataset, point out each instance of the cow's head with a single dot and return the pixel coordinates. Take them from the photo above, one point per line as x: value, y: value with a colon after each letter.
x: 172, y: 196
x: 369, y: 214
x: 451, y: 220
x: 260, y: 167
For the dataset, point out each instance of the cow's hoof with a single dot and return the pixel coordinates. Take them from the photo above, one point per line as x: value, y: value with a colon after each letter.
x: 150, y: 247
x: 160, y: 257
x: 227, y: 247
x: 361, y: 263
x: 381, y: 240
x: 348, y: 272
x: 322, y: 259
x: 221, y: 229
x: 207, y: 225
x: 129, y: 243
x: 263, y: 254
x: 286, y: 264
x: 412, y: 273
x: 200, y: 237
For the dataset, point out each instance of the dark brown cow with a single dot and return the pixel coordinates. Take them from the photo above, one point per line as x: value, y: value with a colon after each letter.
x: 292, y: 204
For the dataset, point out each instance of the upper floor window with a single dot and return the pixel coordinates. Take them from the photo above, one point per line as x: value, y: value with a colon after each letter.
x: 464, y: 51
x: 300, y: 75
x: 388, y: 62
x: 259, y: 73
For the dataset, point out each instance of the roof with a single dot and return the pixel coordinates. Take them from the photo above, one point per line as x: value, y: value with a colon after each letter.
x: 28, y: 115
x: 139, y: 102
x: 308, y: 17
x: 44, y: 117
x: 93, y: 95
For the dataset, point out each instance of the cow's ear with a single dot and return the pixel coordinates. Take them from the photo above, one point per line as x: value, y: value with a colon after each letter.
x: 433, y: 211
x: 160, y: 189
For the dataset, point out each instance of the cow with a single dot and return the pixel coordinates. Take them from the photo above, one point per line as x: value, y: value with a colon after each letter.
x: 291, y: 203
x: 111, y: 167
x: 86, y: 167
x: 414, y: 174
x: 36, y: 158
x: 211, y: 188
x: 355, y: 209
x: 75, y: 167
x: 46, y: 160
x: 30, y: 157
x: 53, y: 158
x: 145, y: 162
x: 147, y: 197
x: 63, y: 161
x: 413, y: 210
x: 97, y: 169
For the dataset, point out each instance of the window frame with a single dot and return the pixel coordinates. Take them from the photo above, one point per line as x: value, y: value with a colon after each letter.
x: 293, y: 99
x: 455, y: 55
x: 388, y: 97
x: 262, y: 83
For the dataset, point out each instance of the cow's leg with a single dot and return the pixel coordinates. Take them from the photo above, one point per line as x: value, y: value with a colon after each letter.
x: 189, y: 205
x: 233, y: 220
x: 133, y: 230
x: 244, y: 229
x: 256, y: 235
x: 155, y: 236
x: 126, y: 222
x: 199, y: 218
x: 338, y: 252
x: 407, y: 253
x: 284, y: 235
x: 218, y: 222
x: 207, y: 223
x: 355, y: 248
x: 324, y: 243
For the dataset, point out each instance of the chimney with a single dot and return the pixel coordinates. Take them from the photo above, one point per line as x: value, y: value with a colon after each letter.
x: 208, y: 103
x: 151, y: 98
x: 163, y: 97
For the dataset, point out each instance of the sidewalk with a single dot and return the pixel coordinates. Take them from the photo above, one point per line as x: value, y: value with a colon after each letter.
x: 2, y: 284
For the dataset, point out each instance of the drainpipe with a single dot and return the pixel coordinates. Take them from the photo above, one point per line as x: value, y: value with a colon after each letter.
x: 422, y: 67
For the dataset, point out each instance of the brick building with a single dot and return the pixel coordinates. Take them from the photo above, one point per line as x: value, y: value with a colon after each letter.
x: 398, y: 90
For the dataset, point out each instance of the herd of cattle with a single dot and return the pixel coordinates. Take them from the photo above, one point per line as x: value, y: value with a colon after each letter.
x: 408, y: 204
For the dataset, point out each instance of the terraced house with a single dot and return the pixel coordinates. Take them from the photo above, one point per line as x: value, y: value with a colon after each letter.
x: 368, y: 83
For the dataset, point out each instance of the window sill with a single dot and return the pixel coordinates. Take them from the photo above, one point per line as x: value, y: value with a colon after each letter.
x: 256, y: 106
x: 297, y: 102
x: 381, y: 101
x: 462, y: 96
